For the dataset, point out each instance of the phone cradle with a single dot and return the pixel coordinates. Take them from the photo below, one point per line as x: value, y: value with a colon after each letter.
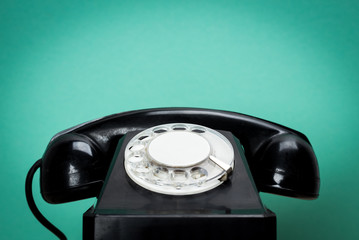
x: 125, y: 210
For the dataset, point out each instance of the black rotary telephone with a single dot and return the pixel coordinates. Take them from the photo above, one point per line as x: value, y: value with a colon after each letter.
x: 175, y: 173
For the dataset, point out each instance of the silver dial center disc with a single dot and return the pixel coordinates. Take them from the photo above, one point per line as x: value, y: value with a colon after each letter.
x: 179, y: 149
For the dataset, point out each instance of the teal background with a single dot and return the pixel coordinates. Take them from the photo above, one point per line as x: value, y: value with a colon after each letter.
x: 291, y: 62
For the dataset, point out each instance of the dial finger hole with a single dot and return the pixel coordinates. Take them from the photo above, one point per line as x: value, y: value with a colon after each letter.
x: 179, y: 127
x: 160, y: 130
x: 198, y: 130
x: 161, y: 172
x: 179, y: 176
x: 143, y: 137
x: 136, y: 158
x: 137, y: 147
x: 142, y: 168
x: 199, y: 173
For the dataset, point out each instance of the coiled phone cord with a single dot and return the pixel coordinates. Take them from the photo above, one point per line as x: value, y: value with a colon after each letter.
x: 30, y: 201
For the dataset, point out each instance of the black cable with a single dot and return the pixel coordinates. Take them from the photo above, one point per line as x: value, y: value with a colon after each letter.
x: 32, y: 205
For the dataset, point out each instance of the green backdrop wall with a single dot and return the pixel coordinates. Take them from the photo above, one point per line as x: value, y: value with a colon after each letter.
x: 291, y: 62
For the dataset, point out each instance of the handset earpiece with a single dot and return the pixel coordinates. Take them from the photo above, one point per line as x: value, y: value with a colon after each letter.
x: 72, y: 169
x: 286, y: 165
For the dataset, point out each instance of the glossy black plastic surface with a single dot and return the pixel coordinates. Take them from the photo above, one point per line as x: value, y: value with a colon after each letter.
x: 72, y: 169
x: 281, y: 160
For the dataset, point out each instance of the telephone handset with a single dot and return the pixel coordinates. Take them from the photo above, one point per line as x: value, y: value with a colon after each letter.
x: 173, y: 157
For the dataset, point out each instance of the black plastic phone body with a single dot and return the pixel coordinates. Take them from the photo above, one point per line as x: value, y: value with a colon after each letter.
x: 76, y: 161
x: 125, y: 210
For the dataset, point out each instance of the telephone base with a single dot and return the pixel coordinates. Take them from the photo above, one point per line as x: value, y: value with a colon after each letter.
x: 180, y: 226
x: 125, y: 210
